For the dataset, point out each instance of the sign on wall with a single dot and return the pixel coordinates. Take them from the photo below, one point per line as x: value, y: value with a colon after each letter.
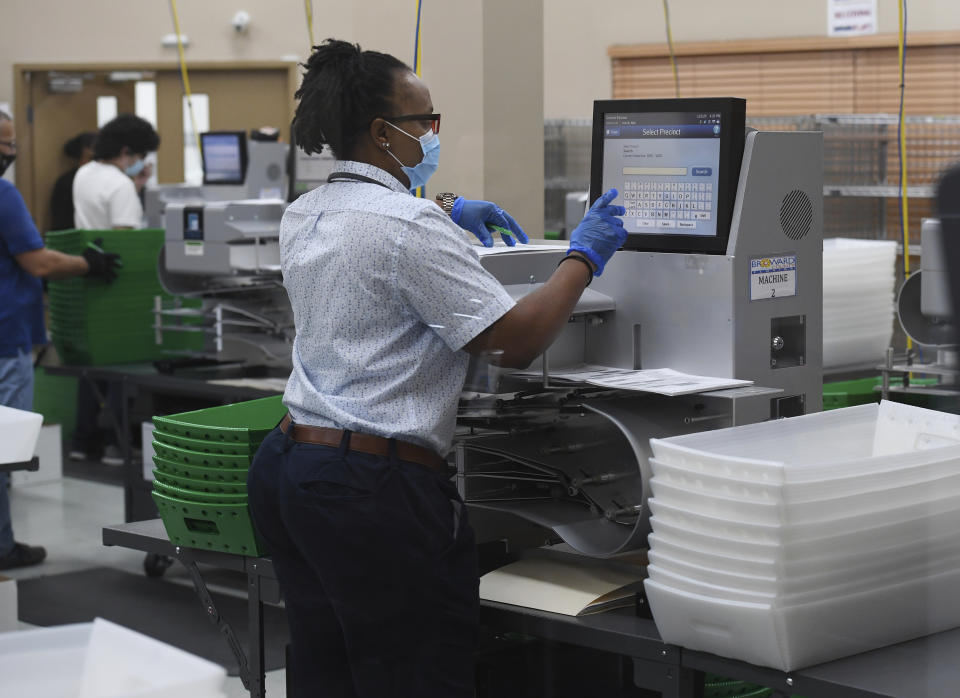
x: 851, y: 17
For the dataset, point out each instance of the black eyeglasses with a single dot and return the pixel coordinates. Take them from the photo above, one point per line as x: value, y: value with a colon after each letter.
x: 433, y: 119
x: 13, y: 144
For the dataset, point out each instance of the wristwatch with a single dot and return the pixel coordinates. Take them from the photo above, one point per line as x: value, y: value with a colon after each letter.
x: 446, y: 200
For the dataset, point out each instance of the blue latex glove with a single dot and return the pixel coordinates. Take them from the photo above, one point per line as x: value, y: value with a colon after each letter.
x: 476, y: 216
x: 600, y: 233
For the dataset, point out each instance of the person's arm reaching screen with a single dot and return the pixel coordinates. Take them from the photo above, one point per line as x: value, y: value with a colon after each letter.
x: 530, y: 327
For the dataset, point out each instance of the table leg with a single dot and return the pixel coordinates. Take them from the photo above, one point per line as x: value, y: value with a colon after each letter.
x: 200, y: 587
x: 257, y: 676
x: 669, y: 680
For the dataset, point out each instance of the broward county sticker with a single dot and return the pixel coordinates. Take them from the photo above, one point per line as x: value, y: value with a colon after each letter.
x: 773, y: 277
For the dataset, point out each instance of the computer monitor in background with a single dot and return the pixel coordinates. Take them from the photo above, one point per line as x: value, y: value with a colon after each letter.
x: 224, y: 156
x: 676, y: 163
x: 307, y: 172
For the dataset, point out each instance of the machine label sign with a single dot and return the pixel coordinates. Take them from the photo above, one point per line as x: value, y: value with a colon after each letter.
x: 193, y: 248
x: 773, y: 277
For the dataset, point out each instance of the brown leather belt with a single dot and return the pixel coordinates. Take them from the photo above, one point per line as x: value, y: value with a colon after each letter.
x: 365, y: 443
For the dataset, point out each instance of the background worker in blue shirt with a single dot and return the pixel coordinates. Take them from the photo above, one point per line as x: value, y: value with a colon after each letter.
x: 371, y: 543
x: 23, y: 262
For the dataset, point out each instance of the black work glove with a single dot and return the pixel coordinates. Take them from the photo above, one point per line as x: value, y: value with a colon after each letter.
x: 103, y: 265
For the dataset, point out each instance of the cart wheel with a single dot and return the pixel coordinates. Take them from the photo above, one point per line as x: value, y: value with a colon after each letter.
x: 155, y: 565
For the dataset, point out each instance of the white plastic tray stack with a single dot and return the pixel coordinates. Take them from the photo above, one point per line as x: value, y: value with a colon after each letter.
x: 858, y: 300
x: 793, y: 542
x: 101, y: 660
x: 19, y: 431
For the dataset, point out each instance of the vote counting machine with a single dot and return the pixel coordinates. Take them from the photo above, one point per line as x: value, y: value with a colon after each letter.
x: 222, y: 246
x: 720, y: 276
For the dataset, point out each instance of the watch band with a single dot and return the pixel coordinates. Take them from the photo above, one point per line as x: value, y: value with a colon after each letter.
x: 447, y: 199
x: 583, y: 261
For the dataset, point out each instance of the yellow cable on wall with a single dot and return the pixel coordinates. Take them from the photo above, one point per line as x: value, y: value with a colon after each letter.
x: 184, y: 75
x: 902, y: 137
x: 673, y: 56
x: 308, y: 7
x: 421, y: 191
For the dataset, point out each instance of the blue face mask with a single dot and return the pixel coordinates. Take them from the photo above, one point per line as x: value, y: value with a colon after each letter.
x: 136, y: 168
x: 422, y: 171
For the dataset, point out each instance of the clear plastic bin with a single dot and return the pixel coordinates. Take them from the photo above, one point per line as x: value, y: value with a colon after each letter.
x: 898, y: 473
x: 796, y: 541
x: 812, y: 533
x: 822, y: 446
x: 853, y: 560
x: 790, y: 514
x: 792, y: 637
x: 818, y: 580
x: 101, y: 660
x: 19, y: 431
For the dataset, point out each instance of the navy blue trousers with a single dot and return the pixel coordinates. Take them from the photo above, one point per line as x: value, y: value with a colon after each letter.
x: 377, y: 564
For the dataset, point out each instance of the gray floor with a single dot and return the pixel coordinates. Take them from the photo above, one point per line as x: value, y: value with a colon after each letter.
x: 66, y: 517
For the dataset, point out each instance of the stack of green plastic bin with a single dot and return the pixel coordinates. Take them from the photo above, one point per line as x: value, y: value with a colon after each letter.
x: 720, y: 687
x: 93, y: 322
x: 200, y: 482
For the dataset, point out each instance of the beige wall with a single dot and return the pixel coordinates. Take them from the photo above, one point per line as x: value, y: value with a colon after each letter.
x: 578, y: 32
x: 512, y: 68
x: 455, y: 43
x: 483, y: 59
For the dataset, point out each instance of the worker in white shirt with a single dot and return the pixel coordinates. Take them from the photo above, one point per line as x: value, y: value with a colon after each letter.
x: 106, y: 195
x: 106, y: 191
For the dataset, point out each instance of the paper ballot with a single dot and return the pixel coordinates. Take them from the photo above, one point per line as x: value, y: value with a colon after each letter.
x: 663, y: 381
x: 501, y: 248
x: 561, y: 586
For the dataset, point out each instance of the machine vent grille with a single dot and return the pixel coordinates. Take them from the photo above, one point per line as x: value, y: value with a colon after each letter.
x: 796, y: 214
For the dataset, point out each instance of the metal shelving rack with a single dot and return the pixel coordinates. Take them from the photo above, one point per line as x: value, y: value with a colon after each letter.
x: 861, y: 166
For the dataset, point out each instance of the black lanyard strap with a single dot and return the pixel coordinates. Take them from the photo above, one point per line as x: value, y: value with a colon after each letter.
x: 343, y: 176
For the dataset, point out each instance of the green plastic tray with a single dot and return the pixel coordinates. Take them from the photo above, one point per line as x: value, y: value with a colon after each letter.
x: 759, y: 692
x: 198, y: 497
x: 207, y: 460
x: 242, y: 422
x: 860, y: 391
x: 223, y: 527
x: 196, y: 485
x: 731, y: 689
x: 203, y: 446
x: 198, y: 472
x: 79, y: 305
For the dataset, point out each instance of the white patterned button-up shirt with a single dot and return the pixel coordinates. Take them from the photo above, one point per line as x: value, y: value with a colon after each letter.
x: 386, y: 290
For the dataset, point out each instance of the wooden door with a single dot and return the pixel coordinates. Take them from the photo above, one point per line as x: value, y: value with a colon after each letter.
x: 58, y: 117
x: 242, y: 96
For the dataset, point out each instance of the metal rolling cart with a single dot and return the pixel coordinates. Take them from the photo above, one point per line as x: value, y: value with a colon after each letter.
x: 151, y: 538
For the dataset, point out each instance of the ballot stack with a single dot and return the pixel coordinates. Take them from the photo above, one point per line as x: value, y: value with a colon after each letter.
x: 793, y: 542
x: 200, y: 481
x: 93, y: 322
x: 859, y: 277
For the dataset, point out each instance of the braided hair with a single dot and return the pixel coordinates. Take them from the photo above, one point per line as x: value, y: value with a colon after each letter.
x: 343, y: 90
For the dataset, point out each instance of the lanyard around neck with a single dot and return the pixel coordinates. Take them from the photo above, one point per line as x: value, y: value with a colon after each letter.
x: 344, y: 176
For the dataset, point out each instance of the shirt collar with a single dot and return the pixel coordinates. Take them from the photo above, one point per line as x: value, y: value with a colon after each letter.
x: 371, y: 171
